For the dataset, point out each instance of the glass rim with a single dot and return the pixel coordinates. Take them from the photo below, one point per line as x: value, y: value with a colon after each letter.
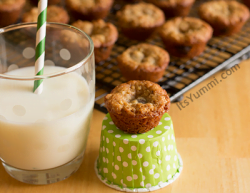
x: 51, y: 75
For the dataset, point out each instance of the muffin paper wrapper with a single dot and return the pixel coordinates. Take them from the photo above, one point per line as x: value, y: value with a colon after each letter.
x: 138, y: 162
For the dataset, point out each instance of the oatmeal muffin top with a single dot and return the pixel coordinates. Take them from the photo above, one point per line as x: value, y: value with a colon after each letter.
x: 163, y: 3
x: 84, y: 5
x: 145, y: 56
x: 8, y: 5
x: 102, y: 33
x: 187, y: 30
x: 227, y: 12
x: 138, y: 99
x: 54, y: 14
x: 141, y: 15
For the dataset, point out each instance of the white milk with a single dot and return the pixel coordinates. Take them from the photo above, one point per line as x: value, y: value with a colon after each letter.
x: 48, y: 130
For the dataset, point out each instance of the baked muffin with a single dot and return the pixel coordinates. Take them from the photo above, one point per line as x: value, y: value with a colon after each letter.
x: 54, y: 14
x: 185, y: 37
x: 226, y: 17
x: 174, y: 8
x: 75, y: 43
x: 89, y: 9
x: 143, y: 62
x: 138, y: 21
x: 104, y: 36
x: 137, y: 106
x: 10, y: 11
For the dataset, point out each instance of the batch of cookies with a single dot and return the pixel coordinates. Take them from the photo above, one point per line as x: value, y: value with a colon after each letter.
x: 137, y: 146
x: 183, y: 36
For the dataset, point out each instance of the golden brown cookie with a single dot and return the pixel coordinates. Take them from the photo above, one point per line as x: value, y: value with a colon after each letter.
x: 185, y: 37
x: 89, y: 9
x: 138, y: 21
x: 54, y: 14
x: 174, y: 8
x: 104, y: 36
x: 226, y: 17
x: 143, y: 62
x: 10, y: 11
x: 137, y: 106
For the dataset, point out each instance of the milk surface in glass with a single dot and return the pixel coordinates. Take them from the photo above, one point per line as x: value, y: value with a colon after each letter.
x: 44, y: 131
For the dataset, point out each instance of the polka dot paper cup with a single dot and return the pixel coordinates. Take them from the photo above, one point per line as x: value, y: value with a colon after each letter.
x: 138, y: 162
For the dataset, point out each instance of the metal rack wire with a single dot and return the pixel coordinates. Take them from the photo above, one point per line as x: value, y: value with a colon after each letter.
x: 181, y: 74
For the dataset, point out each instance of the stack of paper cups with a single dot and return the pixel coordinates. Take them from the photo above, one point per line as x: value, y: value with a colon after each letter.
x: 138, y: 162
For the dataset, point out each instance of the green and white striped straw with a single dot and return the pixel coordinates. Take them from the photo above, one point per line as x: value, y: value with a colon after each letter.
x: 40, y: 44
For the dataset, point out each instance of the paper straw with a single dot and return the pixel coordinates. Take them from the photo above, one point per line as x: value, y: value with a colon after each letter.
x: 40, y: 44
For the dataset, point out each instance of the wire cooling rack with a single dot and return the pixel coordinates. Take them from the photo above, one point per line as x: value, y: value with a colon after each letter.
x: 181, y: 74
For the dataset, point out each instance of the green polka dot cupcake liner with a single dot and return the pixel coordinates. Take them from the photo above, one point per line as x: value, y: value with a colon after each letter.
x: 138, y: 162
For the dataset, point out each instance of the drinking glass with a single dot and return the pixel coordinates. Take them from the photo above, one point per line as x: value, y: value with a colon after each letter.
x: 43, y: 137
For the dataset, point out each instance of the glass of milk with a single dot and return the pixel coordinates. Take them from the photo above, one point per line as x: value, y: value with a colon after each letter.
x: 43, y: 137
